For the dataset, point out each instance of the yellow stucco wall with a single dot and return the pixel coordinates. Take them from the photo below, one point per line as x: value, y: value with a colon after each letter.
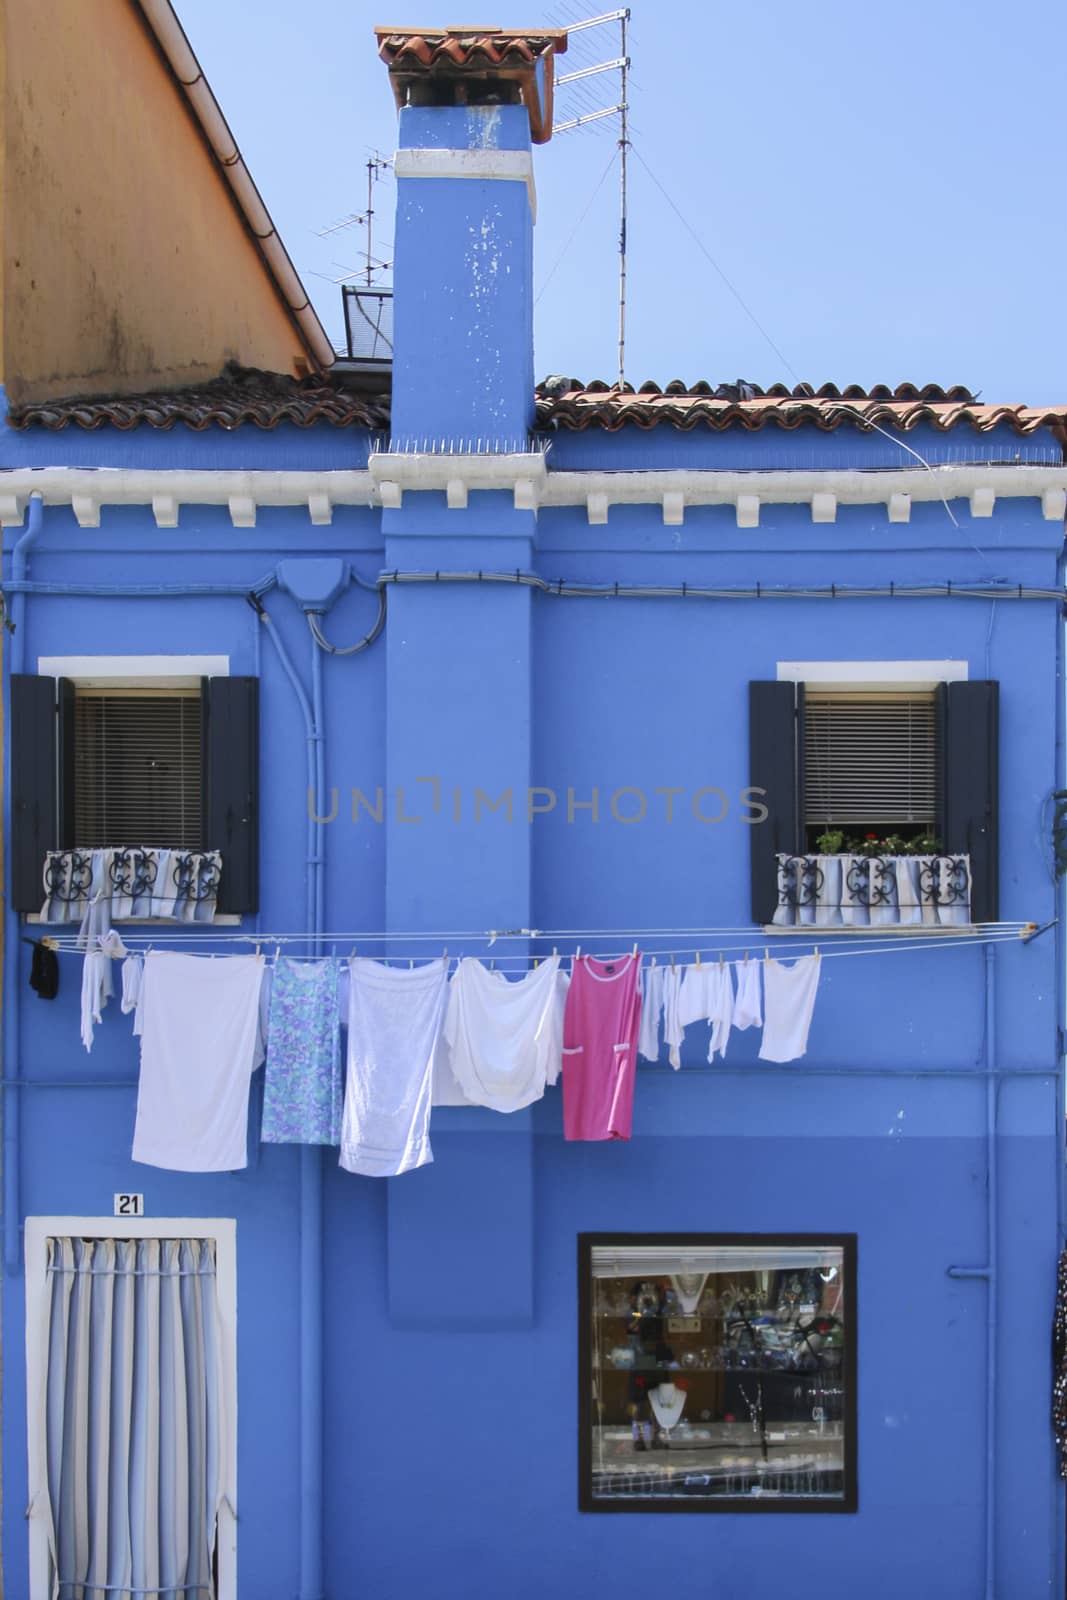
x: 124, y: 264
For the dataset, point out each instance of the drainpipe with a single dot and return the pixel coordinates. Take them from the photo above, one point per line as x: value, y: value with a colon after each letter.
x: 12, y: 1103
x: 988, y: 1272
x: 311, y: 1339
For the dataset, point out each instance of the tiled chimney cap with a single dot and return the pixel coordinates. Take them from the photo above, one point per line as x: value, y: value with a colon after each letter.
x: 472, y: 66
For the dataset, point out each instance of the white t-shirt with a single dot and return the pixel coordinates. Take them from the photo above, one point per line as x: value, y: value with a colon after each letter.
x: 502, y: 1040
x: 198, y: 1017
x: 788, y: 1004
x: 394, y: 1019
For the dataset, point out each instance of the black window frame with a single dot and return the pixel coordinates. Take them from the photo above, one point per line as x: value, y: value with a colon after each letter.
x: 722, y: 1505
x: 41, y: 724
x: 968, y: 712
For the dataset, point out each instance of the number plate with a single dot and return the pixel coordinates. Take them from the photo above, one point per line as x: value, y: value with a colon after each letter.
x: 683, y: 1324
x: 129, y: 1205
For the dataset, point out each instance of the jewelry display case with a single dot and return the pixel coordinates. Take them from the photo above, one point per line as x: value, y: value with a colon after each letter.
x: 717, y: 1372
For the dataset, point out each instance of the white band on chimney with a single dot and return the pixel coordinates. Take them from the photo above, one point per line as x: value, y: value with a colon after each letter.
x: 510, y: 166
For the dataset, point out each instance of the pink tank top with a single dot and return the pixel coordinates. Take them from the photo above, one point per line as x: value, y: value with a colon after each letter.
x: 600, y: 1027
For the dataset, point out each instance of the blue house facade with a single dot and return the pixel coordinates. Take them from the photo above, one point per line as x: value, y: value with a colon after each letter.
x: 479, y: 669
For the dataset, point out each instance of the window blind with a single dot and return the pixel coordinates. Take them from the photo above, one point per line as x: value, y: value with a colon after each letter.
x: 870, y: 757
x: 137, y: 763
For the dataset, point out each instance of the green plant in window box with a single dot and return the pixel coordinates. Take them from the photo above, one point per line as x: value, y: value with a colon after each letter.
x: 834, y: 841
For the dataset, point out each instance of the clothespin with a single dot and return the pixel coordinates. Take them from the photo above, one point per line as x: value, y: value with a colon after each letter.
x: 767, y: 954
x: 257, y: 947
x: 277, y: 953
x: 746, y: 958
x: 720, y: 961
x: 672, y: 960
x: 411, y: 964
x: 697, y: 954
x: 578, y: 953
x: 635, y: 949
x: 492, y: 964
x: 536, y: 962
x: 555, y: 952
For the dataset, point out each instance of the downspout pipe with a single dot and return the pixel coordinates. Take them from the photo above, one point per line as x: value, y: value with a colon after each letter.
x: 12, y: 1102
x: 988, y: 1272
x: 311, y: 1221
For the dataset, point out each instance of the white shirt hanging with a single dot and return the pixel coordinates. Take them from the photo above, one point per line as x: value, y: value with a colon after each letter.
x: 748, y: 1008
x: 198, y: 1020
x: 788, y: 1004
x: 502, y: 1039
x: 394, y: 1020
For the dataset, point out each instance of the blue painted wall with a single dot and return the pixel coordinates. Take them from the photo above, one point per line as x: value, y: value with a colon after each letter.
x: 450, y: 1309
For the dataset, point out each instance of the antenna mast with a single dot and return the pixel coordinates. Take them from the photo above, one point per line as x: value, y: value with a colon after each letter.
x: 624, y: 144
x: 621, y: 65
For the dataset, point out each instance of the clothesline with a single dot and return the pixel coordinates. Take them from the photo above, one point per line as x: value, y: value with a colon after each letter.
x: 681, y: 936
x: 781, y: 949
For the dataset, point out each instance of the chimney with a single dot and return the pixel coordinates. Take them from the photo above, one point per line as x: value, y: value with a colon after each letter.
x: 472, y: 101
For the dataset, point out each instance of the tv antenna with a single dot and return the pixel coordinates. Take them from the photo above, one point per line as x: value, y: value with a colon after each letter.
x: 377, y: 165
x: 582, y: 118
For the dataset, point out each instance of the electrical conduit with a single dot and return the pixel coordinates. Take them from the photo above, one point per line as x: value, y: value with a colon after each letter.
x: 12, y: 1103
x: 311, y: 1225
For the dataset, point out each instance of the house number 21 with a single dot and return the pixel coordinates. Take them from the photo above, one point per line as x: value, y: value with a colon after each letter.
x: 129, y: 1205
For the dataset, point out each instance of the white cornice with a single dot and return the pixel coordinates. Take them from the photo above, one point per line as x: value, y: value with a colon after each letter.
x: 507, y: 166
x: 527, y: 477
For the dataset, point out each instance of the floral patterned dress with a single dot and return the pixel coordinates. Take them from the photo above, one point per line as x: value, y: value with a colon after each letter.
x: 303, y: 1092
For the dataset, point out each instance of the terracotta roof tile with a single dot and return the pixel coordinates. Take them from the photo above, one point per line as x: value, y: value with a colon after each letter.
x: 263, y: 399
x: 484, y: 58
x: 240, y: 396
x: 568, y: 403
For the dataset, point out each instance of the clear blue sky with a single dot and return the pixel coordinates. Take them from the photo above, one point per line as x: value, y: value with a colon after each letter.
x: 882, y: 184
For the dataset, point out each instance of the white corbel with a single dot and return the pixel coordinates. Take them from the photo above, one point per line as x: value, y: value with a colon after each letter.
x: 673, y: 508
x: 596, y: 507
x: 320, y: 509
x: 165, y: 510
x: 525, y: 495
x: 748, y: 511
x: 242, y: 510
x: 86, y: 509
x: 392, y: 495
x: 823, y: 507
x: 456, y: 494
x: 1054, y: 505
x: 900, y: 507
x: 982, y: 502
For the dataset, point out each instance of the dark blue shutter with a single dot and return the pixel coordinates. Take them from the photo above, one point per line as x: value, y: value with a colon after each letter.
x: 969, y: 727
x: 773, y: 742
x: 230, y: 734
x: 65, y: 768
x: 33, y: 786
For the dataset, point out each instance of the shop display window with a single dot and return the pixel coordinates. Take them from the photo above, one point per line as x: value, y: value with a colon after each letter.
x: 717, y: 1372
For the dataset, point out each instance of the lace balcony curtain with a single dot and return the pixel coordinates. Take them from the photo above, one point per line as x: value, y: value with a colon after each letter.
x: 873, y: 891
x: 98, y: 887
x: 132, y: 1418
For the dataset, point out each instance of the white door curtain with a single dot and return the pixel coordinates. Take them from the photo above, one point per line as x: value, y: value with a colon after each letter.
x: 873, y: 891
x: 132, y: 1435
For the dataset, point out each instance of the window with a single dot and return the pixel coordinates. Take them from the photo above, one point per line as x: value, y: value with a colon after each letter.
x: 870, y: 763
x: 717, y: 1372
x: 131, y: 1387
x: 854, y: 764
x: 137, y: 767
x: 102, y: 760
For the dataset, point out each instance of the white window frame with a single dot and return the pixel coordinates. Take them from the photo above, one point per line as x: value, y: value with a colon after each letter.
x: 137, y: 672
x: 873, y: 674
x: 223, y: 1230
